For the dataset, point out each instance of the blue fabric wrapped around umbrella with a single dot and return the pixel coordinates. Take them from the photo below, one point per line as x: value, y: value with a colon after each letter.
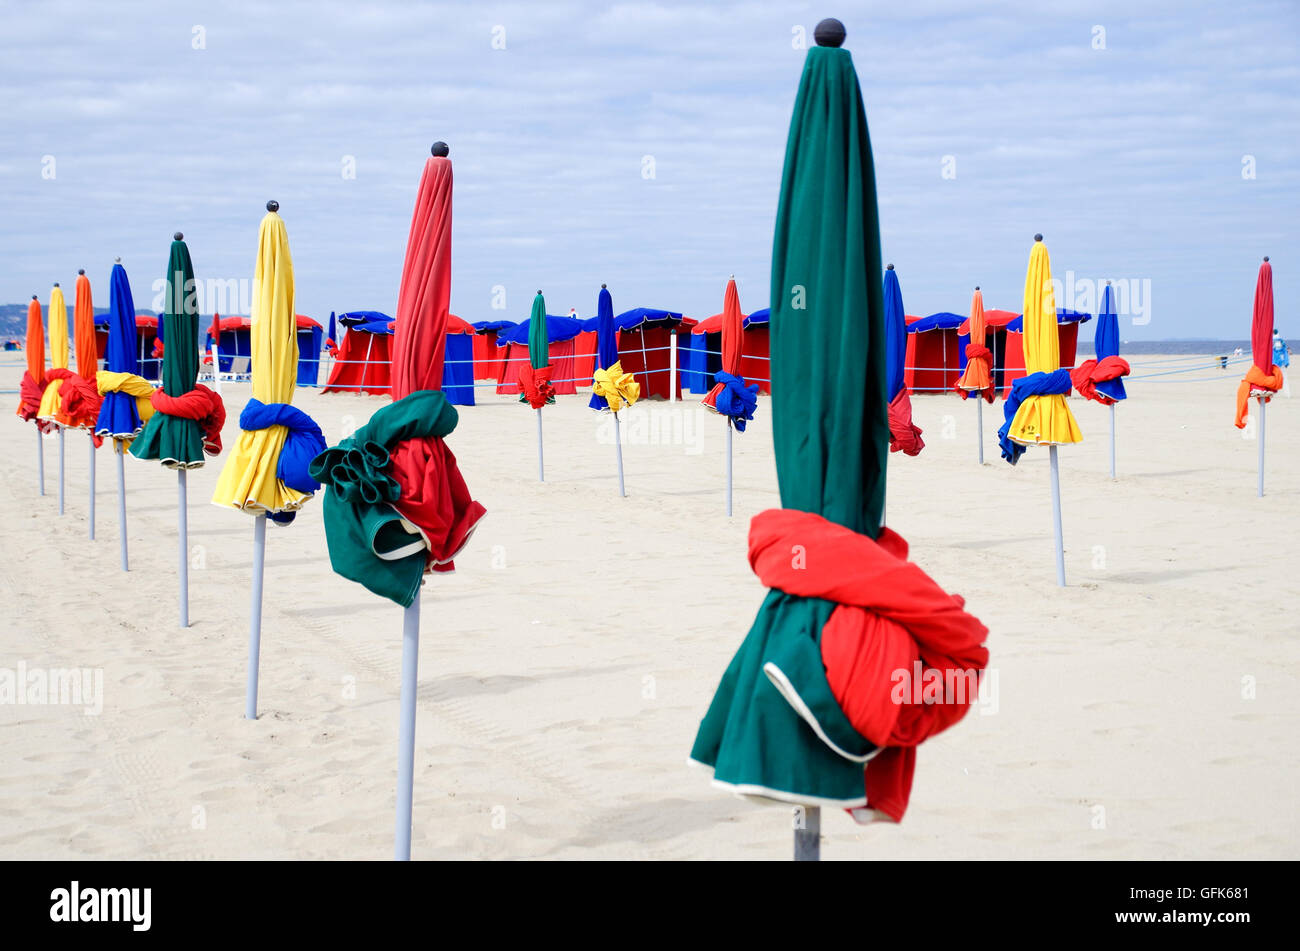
x: 1036, y: 384
x: 895, y: 335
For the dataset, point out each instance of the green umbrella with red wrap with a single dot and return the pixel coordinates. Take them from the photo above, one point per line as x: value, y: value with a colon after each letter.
x: 805, y: 713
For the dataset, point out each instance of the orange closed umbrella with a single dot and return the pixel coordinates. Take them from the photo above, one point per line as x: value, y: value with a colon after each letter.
x: 81, y: 397
x: 33, y: 383
x: 978, y: 378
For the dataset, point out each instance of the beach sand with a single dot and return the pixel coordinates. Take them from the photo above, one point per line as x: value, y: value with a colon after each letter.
x: 1149, y: 710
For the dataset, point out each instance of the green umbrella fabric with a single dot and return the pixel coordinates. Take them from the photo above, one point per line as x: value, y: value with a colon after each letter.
x: 830, y: 431
x: 539, y: 342
x: 175, y: 440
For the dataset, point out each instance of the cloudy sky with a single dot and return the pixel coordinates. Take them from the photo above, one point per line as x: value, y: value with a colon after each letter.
x: 640, y: 144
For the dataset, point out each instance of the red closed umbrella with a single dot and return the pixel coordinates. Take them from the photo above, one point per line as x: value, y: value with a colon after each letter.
x: 1263, y: 379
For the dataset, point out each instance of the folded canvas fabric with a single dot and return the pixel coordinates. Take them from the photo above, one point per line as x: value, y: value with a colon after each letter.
x: 1256, y: 382
x: 396, y: 504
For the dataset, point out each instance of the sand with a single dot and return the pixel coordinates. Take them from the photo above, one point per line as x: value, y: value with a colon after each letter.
x: 1149, y: 710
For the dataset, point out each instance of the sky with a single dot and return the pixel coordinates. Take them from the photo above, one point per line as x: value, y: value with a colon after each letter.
x: 640, y: 145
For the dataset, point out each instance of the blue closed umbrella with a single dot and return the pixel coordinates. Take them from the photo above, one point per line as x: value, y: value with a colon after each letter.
x: 1106, y: 343
x: 895, y: 335
x: 606, y: 341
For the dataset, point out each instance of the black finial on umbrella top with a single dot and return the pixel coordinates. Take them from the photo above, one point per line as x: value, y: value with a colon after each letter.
x: 829, y: 32
x: 440, y: 149
x: 272, y: 205
x: 602, y: 287
x: 117, y: 260
x: 1108, y: 283
x: 81, y: 270
x: 178, y: 237
x: 977, y: 287
x: 539, y: 292
x: 1266, y: 259
x: 889, y: 267
x: 1038, y: 237
x: 34, y: 297
x: 56, y: 283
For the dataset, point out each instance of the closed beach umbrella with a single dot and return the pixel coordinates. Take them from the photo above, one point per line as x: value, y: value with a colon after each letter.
x: 187, y: 416
x: 32, y: 387
x: 51, y: 411
x: 126, y: 402
x: 977, y: 378
x: 730, y: 396
x: 535, y: 377
x: 396, y: 505
x: 1036, y: 412
x: 1102, y: 378
x: 611, y: 388
x: 1263, y: 379
x: 266, y: 473
x: 79, y: 397
x: 845, y: 608
x: 904, y: 435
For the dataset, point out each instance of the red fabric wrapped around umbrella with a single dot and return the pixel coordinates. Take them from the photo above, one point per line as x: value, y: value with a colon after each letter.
x: 434, y: 496
x: 200, y: 404
x: 902, y: 656
x: 1089, y: 373
x: 904, y: 435
x: 535, y: 382
x: 32, y: 387
x: 733, y: 332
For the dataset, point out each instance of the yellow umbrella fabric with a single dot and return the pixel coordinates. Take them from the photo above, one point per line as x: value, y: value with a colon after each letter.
x: 1042, y: 419
x: 249, y: 481
x: 56, y: 320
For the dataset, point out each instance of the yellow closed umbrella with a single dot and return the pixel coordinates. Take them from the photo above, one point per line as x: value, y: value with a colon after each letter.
x: 56, y: 320
x: 266, y: 473
x: 57, y: 329
x: 1042, y: 419
x: 1036, y: 411
x: 250, y: 481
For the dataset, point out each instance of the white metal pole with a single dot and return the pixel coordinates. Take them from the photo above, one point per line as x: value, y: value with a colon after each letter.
x: 406, y: 730
x: 618, y: 445
x: 60, y: 470
x: 91, y: 437
x: 120, y: 446
x: 728, y: 467
x: 1112, y: 440
x: 979, y: 424
x: 184, y: 548
x: 255, y: 617
x: 216, y: 364
x: 40, y: 459
x: 1056, y: 517
x: 541, y: 469
x: 1262, y: 404
x: 672, y: 366
x: 808, y: 840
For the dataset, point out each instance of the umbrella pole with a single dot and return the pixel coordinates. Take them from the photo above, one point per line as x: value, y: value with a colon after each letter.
x: 808, y: 840
x: 979, y: 425
x: 672, y: 366
x: 40, y: 459
x: 121, y: 497
x: 1262, y: 404
x: 618, y: 445
x: 1112, y: 440
x: 728, y: 467
x: 255, y: 617
x: 1056, y: 517
x: 541, y: 469
x: 60, y: 470
x: 92, y: 486
x: 184, y: 535
x: 406, y: 730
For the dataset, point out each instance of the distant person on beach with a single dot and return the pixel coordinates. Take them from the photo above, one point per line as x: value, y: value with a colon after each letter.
x: 1281, y: 353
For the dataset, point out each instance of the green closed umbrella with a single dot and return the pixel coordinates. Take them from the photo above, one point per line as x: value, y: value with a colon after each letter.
x: 187, y: 416
x: 535, y: 379
x: 830, y: 432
